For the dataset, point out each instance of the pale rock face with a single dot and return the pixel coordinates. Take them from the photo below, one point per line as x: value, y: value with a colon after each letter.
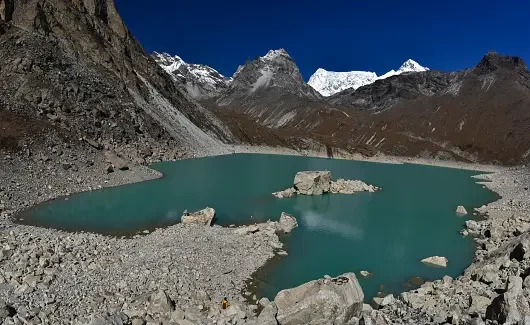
x: 328, y: 83
x: 312, y: 182
x: 287, y: 223
x: 511, y: 306
x: 435, y: 261
x: 460, y: 210
x: 342, y: 186
x: 323, y: 301
x: 203, y: 217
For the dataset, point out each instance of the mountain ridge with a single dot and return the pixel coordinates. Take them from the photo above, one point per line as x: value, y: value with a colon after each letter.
x: 328, y: 83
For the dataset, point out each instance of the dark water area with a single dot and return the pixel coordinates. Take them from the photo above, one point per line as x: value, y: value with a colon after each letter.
x: 386, y: 233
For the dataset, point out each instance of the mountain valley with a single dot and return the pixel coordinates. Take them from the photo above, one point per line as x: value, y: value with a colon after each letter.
x: 84, y: 107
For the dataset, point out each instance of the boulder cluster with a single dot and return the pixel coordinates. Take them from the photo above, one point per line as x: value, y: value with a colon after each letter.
x: 320, y: 182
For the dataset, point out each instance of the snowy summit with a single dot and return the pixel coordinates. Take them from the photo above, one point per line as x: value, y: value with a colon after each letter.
x: 328, y: 83
x: 200, y: 81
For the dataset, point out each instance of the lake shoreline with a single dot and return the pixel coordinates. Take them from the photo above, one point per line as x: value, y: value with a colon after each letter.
x: 37, y: 184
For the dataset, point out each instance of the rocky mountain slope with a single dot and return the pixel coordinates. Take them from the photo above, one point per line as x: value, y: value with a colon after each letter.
x: 271, y: 90
x: 328, y: 83
x: 74, y: 69
x: 199, y: 80
x: 480, y: 114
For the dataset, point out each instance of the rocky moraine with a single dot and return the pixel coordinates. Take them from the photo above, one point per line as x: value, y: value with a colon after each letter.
x: 178, y: 275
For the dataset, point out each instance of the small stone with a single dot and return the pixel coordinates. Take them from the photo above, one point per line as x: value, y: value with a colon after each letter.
x: 460, y: 210
x: 435, y: 261
x: 365, y: 274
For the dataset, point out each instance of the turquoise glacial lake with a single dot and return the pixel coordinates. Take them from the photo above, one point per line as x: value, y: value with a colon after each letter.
x: 386, y: 233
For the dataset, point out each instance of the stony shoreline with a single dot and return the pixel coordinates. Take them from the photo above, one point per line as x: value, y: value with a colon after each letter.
x: 93, y: 270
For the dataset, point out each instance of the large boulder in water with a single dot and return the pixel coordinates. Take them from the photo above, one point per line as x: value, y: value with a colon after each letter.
x: 312, y: 182
x: 435, y: 261
x: 323, y: 301
x: 203, y: 217
x: 287, y: 223
x: 461, y: 211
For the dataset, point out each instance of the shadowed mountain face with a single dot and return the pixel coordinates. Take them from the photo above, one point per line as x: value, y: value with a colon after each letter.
x: 73, y: 65
x: 480, y: 114
x: 271, y: 90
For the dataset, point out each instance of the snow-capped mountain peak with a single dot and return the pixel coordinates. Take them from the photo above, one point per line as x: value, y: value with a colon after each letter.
x: 328, y: 83
x: 199, y: 80
x: 411, y: 66
x: 275, y: 54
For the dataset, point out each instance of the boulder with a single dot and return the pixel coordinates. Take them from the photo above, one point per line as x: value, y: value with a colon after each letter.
x: 287, y: 223
x: 92, y: 143
x: 473, y: 227
x: 478, y: 304
x: 6, y: 310
x: 160, y: 304
x: 268, y: 313
x: 323, y: 301
x: 342, y: 186
x: 115, y: 161
x: 460, y: 210
x: 511, y: 306
x: 290, y: 192
x: 435, y: 261
x: 365, y: 274
x: 203, y: 217
x: 312, y: 182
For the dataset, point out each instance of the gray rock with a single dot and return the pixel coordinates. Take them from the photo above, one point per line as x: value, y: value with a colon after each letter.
x: 460, y: 210
x: 120, y: 319
x: 478, y: 304
x: 435, y: 261
x: 290, y: 192
x: 203, y: 217
x: 160, y: 304
x: 312, y: 182
x: 268, y: 314
x: 287, y: 223
x: 511, y: 306
x: 6, y: 310
x: 342, y: 186
x: 380, y: 302
x: 524, y: 321
x: 334, y: 301
x: 115, y: 161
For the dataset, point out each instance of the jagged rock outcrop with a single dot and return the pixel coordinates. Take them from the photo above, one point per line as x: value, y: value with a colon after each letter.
x: 312, y: 182
x: 75, y: 67
x: 287, y: 223
x: 511, y: 306
x: 319, y: 182
x: 199, y: 81
x: 324, y: 301
x: 342, y: 186
x: 203, y: 217
x: 271, y: 90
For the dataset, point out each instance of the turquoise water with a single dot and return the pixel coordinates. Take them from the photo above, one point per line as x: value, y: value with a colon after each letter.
x: 386, y: 233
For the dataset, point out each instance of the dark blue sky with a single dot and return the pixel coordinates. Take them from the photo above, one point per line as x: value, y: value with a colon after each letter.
x: 340, y: 35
